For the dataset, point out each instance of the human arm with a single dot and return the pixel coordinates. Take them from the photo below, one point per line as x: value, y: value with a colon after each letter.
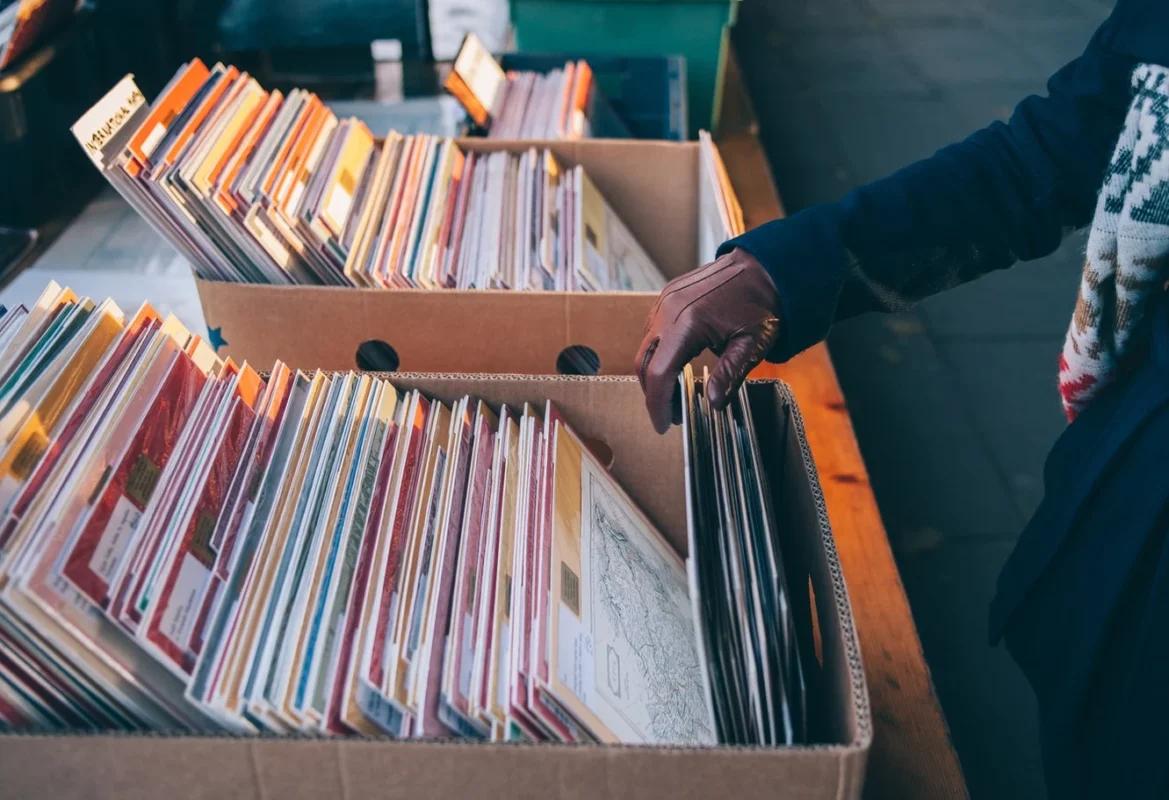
x: 1009, y: 192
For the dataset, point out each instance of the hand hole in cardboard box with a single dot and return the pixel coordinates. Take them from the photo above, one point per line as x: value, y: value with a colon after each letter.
x: 374, y: 355
x: 578, y: 359
x: 600, y: 450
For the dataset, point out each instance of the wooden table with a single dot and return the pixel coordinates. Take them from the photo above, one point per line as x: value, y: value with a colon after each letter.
x: 912, y: 756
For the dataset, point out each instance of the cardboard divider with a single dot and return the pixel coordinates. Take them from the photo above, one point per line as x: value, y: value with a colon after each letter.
x: 653, y: 187
x: 128, y: 767
x: 432, y: 331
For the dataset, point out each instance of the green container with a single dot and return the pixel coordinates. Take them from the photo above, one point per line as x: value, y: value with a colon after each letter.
x: 694, y: 29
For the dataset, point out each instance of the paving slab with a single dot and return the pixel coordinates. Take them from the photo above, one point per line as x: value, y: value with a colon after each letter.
x: 1023, y: 11
x: 931, y: 470
x: 1052, y: 41
x: 867, y: 60
x: 988, y: 702
x: 919, y: 11
x: 881, y: 133
x: 958, y: 55
x: 803, y: 15
x: 1010, y: 387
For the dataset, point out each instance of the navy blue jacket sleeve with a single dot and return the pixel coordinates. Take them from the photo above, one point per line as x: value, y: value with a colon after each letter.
x: 1009, y: 192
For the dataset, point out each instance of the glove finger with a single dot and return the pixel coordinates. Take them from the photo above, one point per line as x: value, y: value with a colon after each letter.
x: 739, y: 357
x: 661, y: 376
x: 649, y: 344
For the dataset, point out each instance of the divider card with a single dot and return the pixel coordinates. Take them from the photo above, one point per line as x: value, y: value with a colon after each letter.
x: 522, y: 104
x: 476, y: 79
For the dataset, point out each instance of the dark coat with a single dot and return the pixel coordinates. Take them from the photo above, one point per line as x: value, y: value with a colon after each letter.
x: 1083, y: 602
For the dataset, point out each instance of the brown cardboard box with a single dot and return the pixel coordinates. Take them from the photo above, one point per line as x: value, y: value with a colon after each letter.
x: 650, y: 467
x: 653, y: 187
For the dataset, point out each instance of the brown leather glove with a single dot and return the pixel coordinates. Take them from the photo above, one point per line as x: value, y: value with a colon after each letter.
x: 728, y: 306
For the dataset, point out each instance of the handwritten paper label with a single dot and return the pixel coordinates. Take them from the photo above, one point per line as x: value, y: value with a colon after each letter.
x: 102, y: 122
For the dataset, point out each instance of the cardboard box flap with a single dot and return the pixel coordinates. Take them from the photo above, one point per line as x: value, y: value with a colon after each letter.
x: 150, y: 767
x: 437, y: 331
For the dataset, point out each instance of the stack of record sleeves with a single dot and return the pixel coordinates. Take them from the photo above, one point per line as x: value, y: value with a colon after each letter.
x: 256, y: 186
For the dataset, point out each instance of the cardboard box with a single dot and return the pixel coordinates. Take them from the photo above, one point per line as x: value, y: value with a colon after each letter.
x: 605, y: 411
x: 653, y: 186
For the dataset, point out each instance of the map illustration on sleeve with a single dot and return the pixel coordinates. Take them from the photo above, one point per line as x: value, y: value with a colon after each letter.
x: 624, y: 657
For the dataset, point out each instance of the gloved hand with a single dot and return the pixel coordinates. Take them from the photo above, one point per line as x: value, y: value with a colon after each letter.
x: 729, y: 306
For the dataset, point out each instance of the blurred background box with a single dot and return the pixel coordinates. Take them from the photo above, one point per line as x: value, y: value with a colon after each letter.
x: 647, y: 93
x: 693, y: 29
x: 40, y: 97
x: 316, y: 44
x: 603, y: 120
x: 43, y: 171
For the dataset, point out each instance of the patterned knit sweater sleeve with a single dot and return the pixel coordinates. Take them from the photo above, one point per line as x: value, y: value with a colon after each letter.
x: 1009, y: 192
